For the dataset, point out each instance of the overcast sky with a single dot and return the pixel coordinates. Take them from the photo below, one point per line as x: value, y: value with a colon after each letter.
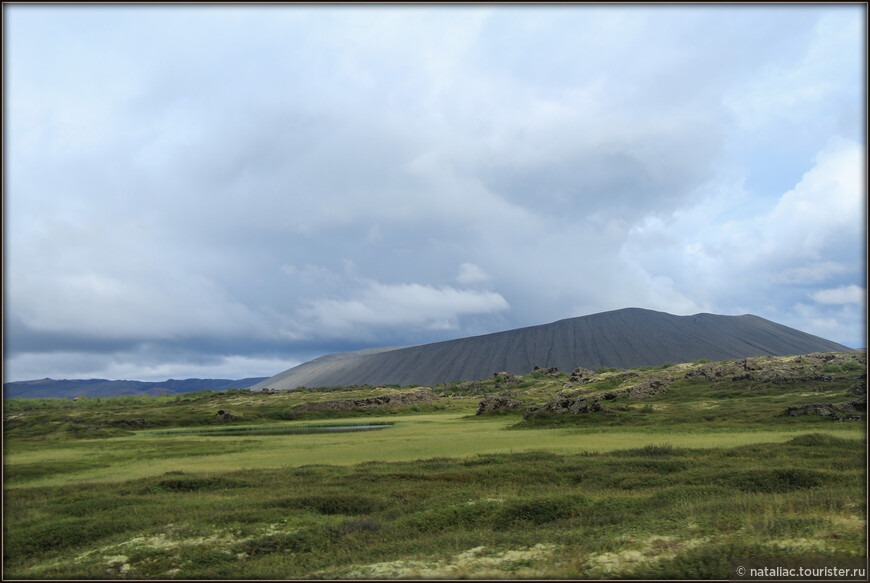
x: 227, y: 191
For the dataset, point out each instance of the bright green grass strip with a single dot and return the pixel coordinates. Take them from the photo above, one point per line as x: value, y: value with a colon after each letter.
x: 411, y: 438
x: 283, y: 429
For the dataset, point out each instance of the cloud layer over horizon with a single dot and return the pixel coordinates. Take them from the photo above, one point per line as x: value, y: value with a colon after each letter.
x: 227, y: 191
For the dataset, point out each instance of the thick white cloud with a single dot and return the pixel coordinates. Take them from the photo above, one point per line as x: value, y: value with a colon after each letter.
x: 470, y: 273
x: 849, y: 294
x: 409, y: 305
x: 821, y: 211
x: 271, y: 176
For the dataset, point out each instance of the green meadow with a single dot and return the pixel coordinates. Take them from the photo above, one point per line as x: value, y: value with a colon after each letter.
x: 670, y: 486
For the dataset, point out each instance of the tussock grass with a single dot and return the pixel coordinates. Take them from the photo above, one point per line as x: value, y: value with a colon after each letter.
x: 671, y: 487
x: 587, y: 507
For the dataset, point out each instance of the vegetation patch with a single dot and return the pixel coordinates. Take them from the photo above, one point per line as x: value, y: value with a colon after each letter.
x: 665, y: 488
x: 293, y: 429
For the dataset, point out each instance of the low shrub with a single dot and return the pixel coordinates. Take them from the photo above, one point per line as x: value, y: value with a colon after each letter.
x: 194, y: 484
x: 778, y: 481
x: 362, y: 525
x: 539, y: 510
x: 333, y: 503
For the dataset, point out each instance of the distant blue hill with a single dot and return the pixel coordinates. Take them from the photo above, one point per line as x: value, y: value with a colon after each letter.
x: 50, y: 388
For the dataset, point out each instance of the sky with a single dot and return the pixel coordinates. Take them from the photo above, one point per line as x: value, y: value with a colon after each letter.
x: 228, y: 191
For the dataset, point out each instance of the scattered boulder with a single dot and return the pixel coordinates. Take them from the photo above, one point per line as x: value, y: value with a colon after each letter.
x: 835, y: 412
x: 581, y: 375
x: 749, y: 364
x: 625, y: 375
x: 472, y: 386
x: 783, y: 375
x: 492, y: 404
x: 505, y: 377
x: 859, y: 404
x: 419, y: 395
x: 569, y: 405
x: 652, y: 387
x: 803, y: 368
x: 224, y: 416
x: 714, y: 371
x: 859, y: 388
x: 550, y: 372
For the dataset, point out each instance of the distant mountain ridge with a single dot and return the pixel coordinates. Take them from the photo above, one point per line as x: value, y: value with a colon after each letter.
x: 50, y: 388
x: 620, y: 338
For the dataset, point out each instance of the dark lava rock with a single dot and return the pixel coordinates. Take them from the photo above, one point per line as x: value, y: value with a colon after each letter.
x: 472, y: 386
x: 859, y: 388
x: 550, y: 372
x: 749, y: 364
x: 420, y: 395
x: 715, y: 371
x: 859, y: 404
x: 835, y: 412
x: 652, y: 387
x: 625, y: 375
x: 493, y: 404
x: 581, y: 375
x: 505, y: 376
x: 649, y: 388
x: 564, y: 406
x: 224, y: 416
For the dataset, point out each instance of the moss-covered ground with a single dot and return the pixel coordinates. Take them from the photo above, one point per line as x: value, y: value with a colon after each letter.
x: 673, y: 486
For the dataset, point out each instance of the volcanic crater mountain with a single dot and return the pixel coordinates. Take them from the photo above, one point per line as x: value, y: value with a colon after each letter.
x: 621, y: 338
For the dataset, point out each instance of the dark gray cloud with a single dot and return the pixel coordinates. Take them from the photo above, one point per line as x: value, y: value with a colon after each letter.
x: 228, y: 190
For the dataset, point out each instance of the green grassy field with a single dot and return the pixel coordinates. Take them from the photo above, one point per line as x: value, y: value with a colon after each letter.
x: 673, y: 486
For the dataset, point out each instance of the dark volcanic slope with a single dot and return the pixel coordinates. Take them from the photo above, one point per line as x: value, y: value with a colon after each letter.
x: 622, y: 338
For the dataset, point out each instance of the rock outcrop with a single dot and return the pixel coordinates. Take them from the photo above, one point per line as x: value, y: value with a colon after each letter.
x: 580, y: 374
x: 567, y: 405
x: 506, y: 379
x: 550, y: 371
x: 471, y: 386
x: 419, y: 395
x: 834, y: 412
x: 859, y: 388
x: 652, y: 387
x: 494, y: 404
x: 808, y: 367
